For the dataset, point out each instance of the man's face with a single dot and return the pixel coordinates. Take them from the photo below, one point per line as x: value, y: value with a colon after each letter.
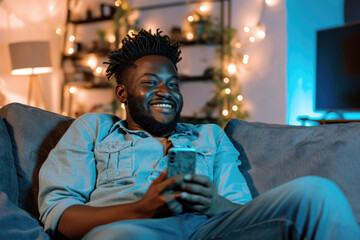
x: 154, y: 100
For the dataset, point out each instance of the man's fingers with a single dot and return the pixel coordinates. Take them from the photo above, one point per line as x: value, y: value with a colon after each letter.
x: 170, y: 183
x: 194, y: 199
x: 199, y: 179
x: 173, y: 204
x: 197, y: 189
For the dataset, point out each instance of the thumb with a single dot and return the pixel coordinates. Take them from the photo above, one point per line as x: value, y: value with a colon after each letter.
x: 162, y: 177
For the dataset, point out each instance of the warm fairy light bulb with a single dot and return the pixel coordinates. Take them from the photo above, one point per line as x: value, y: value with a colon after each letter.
x: 240, y: 97
x: 232, y: 68
x: 225, y: 112
x: 246, y: 29
x: 238, y: 44
x: 235, y: 108
x: 189, y: 36
x: 245, y: 59
x: 190, y: 18
x: 71, y: 51
x: 98, y: 70
x: 261, y: 34
x: 226, y: 80
x: 117, y: 3
x: 72, y: 38
x: 252, y: 39
x: 112, y: 38
x: 72, y: 90
x: 58, y: 30
x: 131, y: 32
x: 227, y: 90
x: 260, y: 31
x: 204, y: 8
x: 270, y: 3
x: 92, y: 62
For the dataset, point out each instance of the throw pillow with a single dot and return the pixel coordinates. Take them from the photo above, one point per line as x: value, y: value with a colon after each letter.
x: 8, y: 178
x: 16, y: 223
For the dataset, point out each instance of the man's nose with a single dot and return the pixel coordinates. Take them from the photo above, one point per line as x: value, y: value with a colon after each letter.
x: 162, y: 90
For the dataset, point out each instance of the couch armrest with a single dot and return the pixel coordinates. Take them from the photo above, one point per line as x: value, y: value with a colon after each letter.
x: 33, y: 132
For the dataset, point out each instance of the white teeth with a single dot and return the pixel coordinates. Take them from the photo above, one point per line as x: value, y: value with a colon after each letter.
x: 163, y: 105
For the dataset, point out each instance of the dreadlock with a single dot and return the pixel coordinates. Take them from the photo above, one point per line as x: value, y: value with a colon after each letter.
x: 142, y: 44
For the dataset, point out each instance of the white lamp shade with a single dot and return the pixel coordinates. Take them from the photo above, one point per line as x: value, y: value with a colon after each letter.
x: 30, y: 58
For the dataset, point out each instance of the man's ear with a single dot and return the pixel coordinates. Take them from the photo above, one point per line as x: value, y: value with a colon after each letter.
x: 121, y: 93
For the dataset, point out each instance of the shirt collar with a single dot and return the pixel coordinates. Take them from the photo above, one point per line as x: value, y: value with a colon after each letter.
x: 180, y: 129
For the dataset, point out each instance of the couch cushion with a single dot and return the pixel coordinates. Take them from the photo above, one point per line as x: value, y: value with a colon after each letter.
x: 16, y: 223
x: 8, y: 179
x: 280, y: 153
x: 33, y: 132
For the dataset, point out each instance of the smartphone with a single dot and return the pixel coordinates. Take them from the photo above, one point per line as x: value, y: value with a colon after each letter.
x: 181, y: 161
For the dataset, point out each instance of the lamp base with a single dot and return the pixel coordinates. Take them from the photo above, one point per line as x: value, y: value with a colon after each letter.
x: 36, y: 93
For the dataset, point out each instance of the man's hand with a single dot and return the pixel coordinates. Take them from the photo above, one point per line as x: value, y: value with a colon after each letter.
x: 77, y: 220
x: 159, y: 200
x: 200, y: 195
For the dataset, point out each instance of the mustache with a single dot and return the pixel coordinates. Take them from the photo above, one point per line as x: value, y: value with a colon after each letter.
x: 168, y: 100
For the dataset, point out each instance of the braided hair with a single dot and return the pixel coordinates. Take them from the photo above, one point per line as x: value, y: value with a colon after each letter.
x: 139, y: 45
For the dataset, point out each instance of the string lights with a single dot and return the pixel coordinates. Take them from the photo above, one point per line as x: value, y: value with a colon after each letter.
x: 72, y: 38
x: 228, y: 100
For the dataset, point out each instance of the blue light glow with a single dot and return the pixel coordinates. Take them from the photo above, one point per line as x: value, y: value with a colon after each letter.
x: 304, y: 18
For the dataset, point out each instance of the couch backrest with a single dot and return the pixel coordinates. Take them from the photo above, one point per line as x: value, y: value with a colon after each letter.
x: 275, y: 154
x: 33, y: 133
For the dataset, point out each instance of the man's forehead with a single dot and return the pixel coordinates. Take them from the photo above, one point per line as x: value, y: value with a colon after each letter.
x: 150, y: 65
x: 153, y: 64
x: 153, y: 58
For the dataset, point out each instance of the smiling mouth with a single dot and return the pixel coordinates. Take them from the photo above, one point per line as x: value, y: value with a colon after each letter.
x: 163, y: 105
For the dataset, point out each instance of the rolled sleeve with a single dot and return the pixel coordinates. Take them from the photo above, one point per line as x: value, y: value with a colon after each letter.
x: 230, y: 182
x: 68, y: 176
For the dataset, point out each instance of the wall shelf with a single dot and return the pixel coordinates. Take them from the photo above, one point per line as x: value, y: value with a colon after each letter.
x: 91, y: 20
x: 326, y: 121
x: 196, y: 78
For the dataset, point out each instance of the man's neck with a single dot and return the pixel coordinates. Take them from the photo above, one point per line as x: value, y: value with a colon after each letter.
x: 136, y: 127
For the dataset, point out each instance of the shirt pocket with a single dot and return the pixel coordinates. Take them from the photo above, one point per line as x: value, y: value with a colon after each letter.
x: 113, y: 161
x: 204, y: 160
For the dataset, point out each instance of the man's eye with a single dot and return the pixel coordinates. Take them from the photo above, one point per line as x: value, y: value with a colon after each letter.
x: 150, y: 83
x: 174, y: 85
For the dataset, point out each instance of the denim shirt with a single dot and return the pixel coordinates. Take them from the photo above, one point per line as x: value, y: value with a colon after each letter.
x: 99, y: 162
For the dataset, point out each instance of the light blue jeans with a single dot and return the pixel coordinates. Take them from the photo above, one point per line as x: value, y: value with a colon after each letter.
x: 305, y: 208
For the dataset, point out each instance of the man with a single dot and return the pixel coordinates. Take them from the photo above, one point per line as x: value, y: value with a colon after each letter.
x: 107, y: 178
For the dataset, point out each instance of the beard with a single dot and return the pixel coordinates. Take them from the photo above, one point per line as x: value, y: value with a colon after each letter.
x: 144, y: 119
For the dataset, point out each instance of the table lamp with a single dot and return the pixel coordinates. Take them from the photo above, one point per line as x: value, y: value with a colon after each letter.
x: 31, y: 58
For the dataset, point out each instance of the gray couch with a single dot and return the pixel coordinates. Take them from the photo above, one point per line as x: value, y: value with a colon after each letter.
x: 271, y: 155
